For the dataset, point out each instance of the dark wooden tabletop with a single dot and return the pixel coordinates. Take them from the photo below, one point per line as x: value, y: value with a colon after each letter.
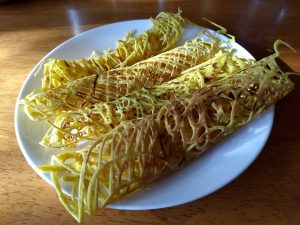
x: 268, y: 192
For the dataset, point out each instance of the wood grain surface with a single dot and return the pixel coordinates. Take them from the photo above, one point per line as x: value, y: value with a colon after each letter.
x: 267, y: 193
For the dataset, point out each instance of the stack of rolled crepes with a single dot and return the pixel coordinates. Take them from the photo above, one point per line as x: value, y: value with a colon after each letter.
x: 146, y: 120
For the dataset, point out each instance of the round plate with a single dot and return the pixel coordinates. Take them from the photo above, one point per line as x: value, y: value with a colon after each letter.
x: 220, y: 165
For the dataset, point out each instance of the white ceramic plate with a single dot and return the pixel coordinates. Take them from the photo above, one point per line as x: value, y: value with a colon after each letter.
x: 223, y: 163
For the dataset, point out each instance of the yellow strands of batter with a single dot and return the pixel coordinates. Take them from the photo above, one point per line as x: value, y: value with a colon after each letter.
x: 139, y: 151
x: 89, y: 124
x: 167, y: 29
x: 85, y: 92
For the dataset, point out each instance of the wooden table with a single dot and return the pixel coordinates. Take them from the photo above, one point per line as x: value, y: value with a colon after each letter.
x: 267, y: 193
